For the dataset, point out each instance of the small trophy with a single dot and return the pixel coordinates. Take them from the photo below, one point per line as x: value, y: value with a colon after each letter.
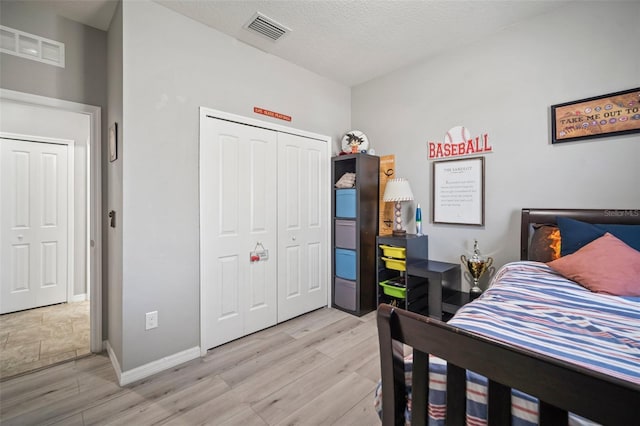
x: 476, y: 266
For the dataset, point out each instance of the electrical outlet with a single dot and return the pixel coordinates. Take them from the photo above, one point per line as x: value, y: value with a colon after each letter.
x: 152, y: 320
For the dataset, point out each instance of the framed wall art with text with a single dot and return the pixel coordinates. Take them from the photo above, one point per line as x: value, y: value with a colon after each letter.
x: 601, y: 116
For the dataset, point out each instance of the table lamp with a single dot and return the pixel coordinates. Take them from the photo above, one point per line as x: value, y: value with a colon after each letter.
x: 398, y: 190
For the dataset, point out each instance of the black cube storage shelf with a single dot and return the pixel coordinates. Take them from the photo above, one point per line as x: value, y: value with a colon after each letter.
x: 354, y: 228
x: 416, y: 249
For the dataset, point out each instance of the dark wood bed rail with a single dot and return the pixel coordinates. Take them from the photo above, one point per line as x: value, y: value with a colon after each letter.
x: 561, y: 387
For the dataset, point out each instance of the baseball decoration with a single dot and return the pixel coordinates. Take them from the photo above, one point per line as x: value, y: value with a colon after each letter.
x: 457, y: 134
x: 458, y: 142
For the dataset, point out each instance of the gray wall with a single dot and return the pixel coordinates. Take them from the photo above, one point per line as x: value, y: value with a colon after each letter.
x: 112, y: 285
x: 172, y: 66
x: 503, y: 85
x: 84, y: 76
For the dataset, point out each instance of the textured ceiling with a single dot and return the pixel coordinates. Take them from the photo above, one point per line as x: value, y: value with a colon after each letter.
x: 353, y: 41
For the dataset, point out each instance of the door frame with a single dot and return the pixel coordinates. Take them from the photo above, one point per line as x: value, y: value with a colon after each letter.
x: 94, y: 198
x: 70, y: 197
x: 205, y: 112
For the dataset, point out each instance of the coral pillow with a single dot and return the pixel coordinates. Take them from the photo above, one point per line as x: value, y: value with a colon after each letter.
x: 605, y: 265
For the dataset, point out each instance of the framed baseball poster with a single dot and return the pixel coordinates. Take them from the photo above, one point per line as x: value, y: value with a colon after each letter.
x: 458, y: 191
x: 607, y: 115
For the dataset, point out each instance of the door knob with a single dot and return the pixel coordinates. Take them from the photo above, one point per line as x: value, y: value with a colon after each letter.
x: 20, y: 237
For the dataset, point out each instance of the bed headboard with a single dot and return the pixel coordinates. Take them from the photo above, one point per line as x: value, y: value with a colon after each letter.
x: 530, y: 217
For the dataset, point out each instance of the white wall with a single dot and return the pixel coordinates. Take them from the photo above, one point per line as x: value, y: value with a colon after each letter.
x: 172, y: 65
x: 503, y: 85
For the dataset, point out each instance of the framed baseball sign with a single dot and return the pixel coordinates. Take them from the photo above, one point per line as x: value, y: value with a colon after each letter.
x: 601, y: 116
x: 458, y: 191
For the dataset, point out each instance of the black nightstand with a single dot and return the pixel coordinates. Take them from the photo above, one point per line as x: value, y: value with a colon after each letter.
x: 445, y: 296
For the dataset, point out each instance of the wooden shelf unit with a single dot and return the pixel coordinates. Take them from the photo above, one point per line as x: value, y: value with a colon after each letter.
x: 356, y: 294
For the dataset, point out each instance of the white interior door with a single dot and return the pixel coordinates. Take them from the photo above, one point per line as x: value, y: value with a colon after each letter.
x: 238, y: 211
x: 302, y: 225
x: 33, y: 224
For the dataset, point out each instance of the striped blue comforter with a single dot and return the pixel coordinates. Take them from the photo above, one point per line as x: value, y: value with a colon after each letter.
x: 530, y: 306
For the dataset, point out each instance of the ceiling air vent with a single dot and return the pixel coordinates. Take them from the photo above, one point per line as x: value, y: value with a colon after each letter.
x: 266, y: 27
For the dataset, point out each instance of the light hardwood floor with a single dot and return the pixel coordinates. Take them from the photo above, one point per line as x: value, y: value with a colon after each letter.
x: 317, y: 369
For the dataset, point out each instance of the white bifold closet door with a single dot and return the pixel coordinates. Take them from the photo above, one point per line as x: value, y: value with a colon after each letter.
x: 33, y: 224
x: 238, y: 199
x: 260, y: 188
x: 302, y: 225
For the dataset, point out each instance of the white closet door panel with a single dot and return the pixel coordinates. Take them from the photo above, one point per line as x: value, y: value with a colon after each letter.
x: 220, y: 258
x: 228, y: 289
x: 302, y: 201
x: 314, y: 267
x: 292, y: 276
x: 261, y: 170
x: 33, y: 224
x: 49, y: 165
x: 225, y: 309
x: 261, y: 309
x: 20, y: 188
x: 260, y: 298
x: 20, y: 261
x: 315, y: 190
x: 49, y: 255
x: 259, y: 286
x: 17, y: 284
x: 290, y: 175
x: 52, y: 223
x: 316, y: 224
x: 227, y: 187
x: 236, y: 188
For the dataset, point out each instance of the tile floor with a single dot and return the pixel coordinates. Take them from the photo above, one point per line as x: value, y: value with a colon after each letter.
x: 44, y: 336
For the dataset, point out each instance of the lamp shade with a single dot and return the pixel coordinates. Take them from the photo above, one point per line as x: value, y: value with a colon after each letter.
x: 397, y: 190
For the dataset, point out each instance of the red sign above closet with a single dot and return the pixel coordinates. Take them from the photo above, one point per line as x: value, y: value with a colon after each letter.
x: 271, y: 114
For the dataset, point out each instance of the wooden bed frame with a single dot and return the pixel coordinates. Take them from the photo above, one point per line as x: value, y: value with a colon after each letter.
x: 561, y: 387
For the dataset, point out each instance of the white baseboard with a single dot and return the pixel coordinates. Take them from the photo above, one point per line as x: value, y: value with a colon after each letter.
x: 126, y: 377
x: 78, y: 298
x: 114, y: 360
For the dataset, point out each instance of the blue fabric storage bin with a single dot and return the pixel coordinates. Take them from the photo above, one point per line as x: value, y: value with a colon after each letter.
x: 345, y: 203
x: 346, y: 264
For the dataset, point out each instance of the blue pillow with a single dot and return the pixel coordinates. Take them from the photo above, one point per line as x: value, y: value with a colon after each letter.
x: 630, y: 234
x: 575, y: 234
